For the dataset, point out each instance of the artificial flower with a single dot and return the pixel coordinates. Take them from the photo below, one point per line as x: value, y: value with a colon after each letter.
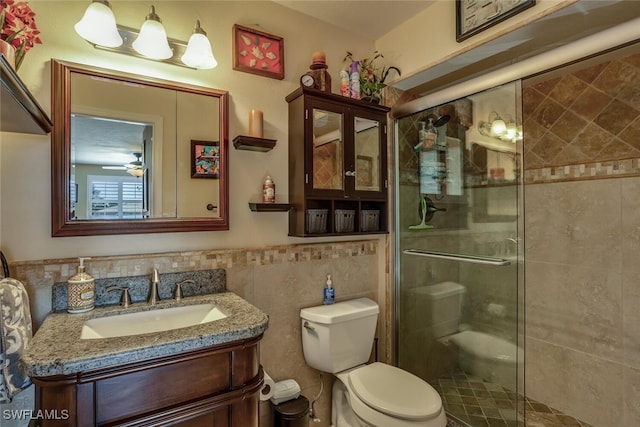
x: 18, y: 27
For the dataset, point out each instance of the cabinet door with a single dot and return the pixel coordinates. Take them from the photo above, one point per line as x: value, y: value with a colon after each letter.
x: 367, y: 165
x: 325, y: 149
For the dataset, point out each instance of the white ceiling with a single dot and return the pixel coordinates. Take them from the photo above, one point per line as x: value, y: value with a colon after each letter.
x: 366, y: 18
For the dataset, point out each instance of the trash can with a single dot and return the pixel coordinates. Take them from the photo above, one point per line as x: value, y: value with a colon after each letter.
x: 292, y: 413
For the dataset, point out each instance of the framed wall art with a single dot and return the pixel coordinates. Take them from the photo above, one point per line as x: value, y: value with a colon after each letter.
x: 205, y: 159
x: 257, y: 52
x: 474, y: 16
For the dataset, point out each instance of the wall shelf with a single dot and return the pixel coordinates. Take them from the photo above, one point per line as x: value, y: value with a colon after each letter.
x: 269, y: 207
x: 19, y: 110
x: 251, y: 143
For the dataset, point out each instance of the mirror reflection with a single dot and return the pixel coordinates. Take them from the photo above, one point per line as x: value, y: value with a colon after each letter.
x: 108, y: 165
x: 327, y: 150
x: 367, y: 136
x: 123, y: 154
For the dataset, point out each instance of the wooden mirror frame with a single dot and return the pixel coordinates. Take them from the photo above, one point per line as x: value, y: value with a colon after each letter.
x: 61, y: 225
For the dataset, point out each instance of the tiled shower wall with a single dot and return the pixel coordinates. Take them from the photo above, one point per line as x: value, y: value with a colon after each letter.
x: 279, y: 280
x: 582, y: 237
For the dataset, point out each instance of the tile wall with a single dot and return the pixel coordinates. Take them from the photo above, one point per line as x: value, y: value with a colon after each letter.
x: 582, y: 229
x: 280, y: 280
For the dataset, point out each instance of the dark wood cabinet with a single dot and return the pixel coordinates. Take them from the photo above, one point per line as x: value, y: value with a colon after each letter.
x: 337, y: 165
x: 213, y: 387
x: 19, y: 111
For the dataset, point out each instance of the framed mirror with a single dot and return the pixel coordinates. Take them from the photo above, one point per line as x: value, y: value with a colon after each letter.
x: 122, y: 152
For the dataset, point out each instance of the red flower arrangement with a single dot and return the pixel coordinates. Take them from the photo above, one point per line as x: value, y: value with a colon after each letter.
x: 18, y: 27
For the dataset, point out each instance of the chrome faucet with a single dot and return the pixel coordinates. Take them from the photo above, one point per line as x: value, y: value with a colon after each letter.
x: 125, y: 299
x: 177, y: 295
x: 153, y: 288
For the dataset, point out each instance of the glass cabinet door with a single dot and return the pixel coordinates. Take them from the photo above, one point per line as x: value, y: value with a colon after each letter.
x: 328, y: 150
x: 367, y: 152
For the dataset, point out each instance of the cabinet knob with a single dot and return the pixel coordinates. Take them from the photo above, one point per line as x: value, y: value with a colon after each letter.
x: 350, y: 173
x: 211, y: 207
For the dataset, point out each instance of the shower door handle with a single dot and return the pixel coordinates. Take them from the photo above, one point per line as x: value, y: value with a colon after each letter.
x: 475, y: 259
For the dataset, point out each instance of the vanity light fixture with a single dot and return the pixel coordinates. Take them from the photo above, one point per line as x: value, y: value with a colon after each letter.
x: 199, y: 54
x: 496, y: 127
x: 98, y: 27
x: 152, y: 41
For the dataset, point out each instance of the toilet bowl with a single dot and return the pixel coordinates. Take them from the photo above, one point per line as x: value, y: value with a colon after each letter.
x: 489, y: 357
x: 338, y: 339
x: 380, y: 395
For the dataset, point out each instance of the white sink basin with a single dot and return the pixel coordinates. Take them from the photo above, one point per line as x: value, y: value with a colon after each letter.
x: 144, y: 322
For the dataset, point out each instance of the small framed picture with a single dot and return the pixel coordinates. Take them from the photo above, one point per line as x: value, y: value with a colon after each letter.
x: 205, y: 159
x: 474, y: 16
x: 257, y: 52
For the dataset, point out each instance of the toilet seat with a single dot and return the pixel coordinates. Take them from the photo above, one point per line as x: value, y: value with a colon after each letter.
x: 394, y: 392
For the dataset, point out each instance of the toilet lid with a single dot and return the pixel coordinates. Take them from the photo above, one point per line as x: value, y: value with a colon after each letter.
x: 395, y: 392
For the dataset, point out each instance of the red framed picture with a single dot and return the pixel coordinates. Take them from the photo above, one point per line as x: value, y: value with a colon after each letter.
x: 257, y: 52
x: 205, y: 159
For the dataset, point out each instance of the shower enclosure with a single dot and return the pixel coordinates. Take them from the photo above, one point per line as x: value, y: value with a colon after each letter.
x: 459, y: 273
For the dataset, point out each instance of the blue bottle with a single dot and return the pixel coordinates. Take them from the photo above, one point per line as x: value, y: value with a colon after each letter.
x: 329, y: 292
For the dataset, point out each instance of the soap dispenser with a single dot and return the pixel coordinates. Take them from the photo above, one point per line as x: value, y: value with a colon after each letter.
x: 80, y: 291
x: 329, y: 292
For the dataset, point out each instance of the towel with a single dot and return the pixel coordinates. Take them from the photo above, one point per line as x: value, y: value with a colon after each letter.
x: 15, y: 335
x: 5, y: 266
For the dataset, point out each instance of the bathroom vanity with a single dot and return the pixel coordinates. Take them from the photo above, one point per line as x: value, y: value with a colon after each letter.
x: 207, y: 374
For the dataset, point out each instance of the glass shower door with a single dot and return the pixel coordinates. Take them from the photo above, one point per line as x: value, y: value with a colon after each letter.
x: 459, y: 276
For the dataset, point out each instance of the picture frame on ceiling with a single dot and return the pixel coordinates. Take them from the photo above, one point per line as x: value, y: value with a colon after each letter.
x: 205, y: 159
x: 257, y: 52
x: 474, y: 16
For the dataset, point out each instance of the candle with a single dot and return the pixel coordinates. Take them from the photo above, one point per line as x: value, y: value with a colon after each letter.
x: 255, y: 124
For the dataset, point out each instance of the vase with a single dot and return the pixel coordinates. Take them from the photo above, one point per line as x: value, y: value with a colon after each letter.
x: 9, y: 53
x: 371, y: 99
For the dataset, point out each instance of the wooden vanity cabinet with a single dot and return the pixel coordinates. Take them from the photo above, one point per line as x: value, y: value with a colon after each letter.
x: 217, y: 386
x: 337, y: 165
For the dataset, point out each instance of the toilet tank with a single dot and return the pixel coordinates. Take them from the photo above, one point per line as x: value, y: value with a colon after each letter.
x: 339, y: 336
x: 437, y: 307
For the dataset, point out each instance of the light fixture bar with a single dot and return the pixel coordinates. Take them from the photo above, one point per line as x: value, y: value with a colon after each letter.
x: 129, y: 35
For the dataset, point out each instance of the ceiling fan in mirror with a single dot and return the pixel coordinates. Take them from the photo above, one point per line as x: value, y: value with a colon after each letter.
x: 134, y: 168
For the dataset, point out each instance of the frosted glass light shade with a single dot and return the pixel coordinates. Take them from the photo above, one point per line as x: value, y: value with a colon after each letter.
x: 152, y: 40
x: 136, y: 172
x: 498, y: 127
x: 199, y: 54
x: 511, y: 131
x: 98, y: 25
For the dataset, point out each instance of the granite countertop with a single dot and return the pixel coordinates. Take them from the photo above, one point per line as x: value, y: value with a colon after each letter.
x: 56, y: 349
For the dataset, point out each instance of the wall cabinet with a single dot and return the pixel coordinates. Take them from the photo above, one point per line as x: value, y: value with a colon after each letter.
x: 216, y: 386
x: 337, y: 165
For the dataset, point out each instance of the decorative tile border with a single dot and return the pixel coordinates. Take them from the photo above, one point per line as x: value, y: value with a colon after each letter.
x: 585, y: 171
x: 50, y: 271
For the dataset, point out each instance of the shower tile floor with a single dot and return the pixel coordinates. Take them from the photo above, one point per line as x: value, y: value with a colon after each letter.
x: 470, y: 401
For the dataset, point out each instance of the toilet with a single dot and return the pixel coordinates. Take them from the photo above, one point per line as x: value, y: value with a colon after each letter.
x: 337, y: 339
x: 489, y: 357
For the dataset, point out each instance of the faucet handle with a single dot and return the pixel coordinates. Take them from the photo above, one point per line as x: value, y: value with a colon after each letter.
x: 177, y: 295
x: 125, y: 300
